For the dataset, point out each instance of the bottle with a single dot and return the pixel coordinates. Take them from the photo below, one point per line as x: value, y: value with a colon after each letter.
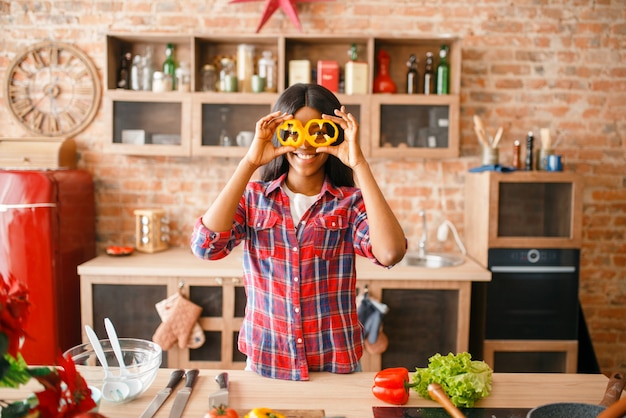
x: 517, y: 163
x: 148, y: 70
x: 383, y: 82
x: 169, y: 65
x: 136, y: 74
x: 267, y: 70
x: 183, y: 77
x: 528, y: 166
x: 123, y: 74
x: 412, y: 76
x: 429, y: 76
x: 443, y: 72
x: 209, y: 78
x: 245, y: 67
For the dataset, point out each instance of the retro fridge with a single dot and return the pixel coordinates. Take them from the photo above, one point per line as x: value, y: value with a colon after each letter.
x: 47, y: 228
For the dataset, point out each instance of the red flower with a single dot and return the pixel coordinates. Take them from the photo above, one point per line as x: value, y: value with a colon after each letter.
x: 14, y: 310
x: 66, y: 393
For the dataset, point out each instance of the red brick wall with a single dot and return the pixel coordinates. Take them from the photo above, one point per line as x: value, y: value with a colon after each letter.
x: 526, y: 65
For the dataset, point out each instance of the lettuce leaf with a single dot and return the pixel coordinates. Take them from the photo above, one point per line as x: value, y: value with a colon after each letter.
x: 463, y: 379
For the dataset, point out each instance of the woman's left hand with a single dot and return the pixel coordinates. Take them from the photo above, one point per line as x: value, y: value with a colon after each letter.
x: 349, y: 151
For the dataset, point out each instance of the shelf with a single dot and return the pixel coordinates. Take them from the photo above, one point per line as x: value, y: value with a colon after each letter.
x: 384, y: 130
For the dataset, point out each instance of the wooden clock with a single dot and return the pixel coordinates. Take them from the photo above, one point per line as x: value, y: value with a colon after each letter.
x: 53, y: 89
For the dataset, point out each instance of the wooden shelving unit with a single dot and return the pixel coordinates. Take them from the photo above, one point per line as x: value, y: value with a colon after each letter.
x: 391, y: 125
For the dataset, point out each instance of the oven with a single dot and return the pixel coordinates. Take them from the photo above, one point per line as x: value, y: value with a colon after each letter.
x: 532, y: 296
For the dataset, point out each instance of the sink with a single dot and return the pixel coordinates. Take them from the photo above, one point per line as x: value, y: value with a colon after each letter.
x: 433, y: 260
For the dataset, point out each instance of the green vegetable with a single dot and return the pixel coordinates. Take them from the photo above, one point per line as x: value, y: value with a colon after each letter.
x: 463, y: 379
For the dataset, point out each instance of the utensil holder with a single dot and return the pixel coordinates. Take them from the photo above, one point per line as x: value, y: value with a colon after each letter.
x: 490, y: 156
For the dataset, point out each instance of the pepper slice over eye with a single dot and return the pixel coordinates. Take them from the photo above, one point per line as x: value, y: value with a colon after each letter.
x: 317, y: 132
x: 290, y: 133
x: 321, y: 132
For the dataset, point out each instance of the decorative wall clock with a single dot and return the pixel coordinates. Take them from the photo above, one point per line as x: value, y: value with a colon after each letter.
x: 53, y: 89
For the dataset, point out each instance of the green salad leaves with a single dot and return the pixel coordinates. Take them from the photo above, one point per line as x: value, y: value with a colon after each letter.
x: 463, y: 379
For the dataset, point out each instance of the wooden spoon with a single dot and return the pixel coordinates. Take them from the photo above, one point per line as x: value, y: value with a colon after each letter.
x: 437, y: 393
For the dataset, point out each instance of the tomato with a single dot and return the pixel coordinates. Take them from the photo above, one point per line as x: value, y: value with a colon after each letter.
x: 221, y: 411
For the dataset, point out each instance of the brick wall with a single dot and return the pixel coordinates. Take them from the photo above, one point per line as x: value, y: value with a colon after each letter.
x: 526, y: 65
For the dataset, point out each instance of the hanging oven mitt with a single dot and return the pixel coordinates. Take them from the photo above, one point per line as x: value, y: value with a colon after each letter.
x: 164, y: 308
x: 181, y: 318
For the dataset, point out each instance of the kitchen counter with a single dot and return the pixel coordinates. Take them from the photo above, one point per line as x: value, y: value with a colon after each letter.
x: 348, y: 396
x: 181, y: 262
x: 138, y: 281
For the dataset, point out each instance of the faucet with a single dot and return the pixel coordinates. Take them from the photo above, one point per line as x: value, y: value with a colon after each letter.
x: 421, y: 246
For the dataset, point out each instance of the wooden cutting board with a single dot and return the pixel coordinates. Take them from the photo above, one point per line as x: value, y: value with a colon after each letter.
x: 292, y: 413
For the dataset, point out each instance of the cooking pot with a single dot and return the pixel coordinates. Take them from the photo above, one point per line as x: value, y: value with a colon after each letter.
x: 608, y: 407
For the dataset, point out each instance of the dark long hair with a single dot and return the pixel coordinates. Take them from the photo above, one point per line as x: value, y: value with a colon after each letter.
x: 324, y: 101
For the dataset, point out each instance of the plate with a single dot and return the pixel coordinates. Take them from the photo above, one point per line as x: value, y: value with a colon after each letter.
x: 117, y: 251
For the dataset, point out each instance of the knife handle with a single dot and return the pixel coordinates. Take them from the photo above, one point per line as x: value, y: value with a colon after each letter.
x: 222, y: 380
x: 175, y: 377
x: 191, y: 377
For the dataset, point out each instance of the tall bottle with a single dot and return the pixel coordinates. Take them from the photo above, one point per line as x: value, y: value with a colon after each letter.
x: 267, y: 71
x: 443, y: 72
x: 383, y: 82
x: 528, y: 166
x: 148, y: 70
x: 429, y: 75
x: 169, y: 65
x: 412, y: 76
x: 123, y: 74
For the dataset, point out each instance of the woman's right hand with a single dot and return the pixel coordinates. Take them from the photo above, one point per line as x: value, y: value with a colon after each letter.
x: 262, y: 150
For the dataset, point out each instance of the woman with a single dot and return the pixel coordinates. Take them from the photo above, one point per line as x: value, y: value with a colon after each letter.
x: 303, y: 224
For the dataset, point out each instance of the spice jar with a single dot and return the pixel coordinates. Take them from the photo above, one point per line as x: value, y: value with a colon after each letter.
x: 228, y: 78
x: 183, y: 77
x: 209, y: 78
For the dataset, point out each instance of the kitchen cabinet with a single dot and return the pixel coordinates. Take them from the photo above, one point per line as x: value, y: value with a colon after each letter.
x: 127, y: 288
x: 526, y: 228
x: 182, y: 123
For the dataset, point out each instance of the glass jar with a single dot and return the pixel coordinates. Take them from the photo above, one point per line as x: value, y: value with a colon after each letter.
x: 267, y: 70
x: 228, y: 78
x: 245, y: 67
x: 161, y: 82
x: 183, y: 77
x: 209, y: 78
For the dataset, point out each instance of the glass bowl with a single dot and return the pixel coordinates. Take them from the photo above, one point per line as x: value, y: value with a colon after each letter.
x: 141, y: 357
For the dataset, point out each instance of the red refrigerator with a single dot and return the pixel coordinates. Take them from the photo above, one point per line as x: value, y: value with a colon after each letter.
x: 47, y: 228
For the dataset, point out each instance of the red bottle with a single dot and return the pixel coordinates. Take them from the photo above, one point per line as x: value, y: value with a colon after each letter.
x: 383, y: 82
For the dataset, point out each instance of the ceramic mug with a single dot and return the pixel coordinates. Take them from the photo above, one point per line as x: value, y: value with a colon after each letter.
x: 244, y: 138
x: 555, y: 163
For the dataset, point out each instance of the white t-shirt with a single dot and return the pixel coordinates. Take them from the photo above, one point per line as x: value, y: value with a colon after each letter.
x: 299, y: 203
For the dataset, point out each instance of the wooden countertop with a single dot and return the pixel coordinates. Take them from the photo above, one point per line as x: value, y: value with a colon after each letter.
x: 180, y: 262
x: 350, y: 395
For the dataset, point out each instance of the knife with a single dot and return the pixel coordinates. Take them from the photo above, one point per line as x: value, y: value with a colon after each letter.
x: 163, y: 394
x: 182, y: 396
x: 221, y: 396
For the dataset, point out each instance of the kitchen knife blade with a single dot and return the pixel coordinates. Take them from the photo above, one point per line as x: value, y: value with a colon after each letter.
x: 163, y: 394
x: 182, y: 396
x: 221, y: 396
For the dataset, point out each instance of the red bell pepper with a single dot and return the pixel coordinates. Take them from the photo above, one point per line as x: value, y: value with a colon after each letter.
x: 392, y: 385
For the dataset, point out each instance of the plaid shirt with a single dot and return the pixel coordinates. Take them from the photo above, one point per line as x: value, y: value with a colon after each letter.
x: 300, y: 280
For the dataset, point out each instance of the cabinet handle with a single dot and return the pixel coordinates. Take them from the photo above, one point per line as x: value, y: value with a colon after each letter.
x: 235, y: 280
x: 219, y: 280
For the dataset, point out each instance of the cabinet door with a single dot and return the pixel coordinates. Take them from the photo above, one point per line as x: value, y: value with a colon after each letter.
x: 223, y: 304
x: 130, y: 307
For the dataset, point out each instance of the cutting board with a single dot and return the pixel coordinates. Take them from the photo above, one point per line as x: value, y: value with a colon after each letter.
x: 406, y: 412
x: 292, y: 413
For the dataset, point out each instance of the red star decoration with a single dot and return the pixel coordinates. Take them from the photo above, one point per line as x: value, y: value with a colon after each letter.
x: 288, y: 6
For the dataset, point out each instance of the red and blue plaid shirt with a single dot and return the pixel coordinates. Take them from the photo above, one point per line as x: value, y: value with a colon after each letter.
x: 300, y: 280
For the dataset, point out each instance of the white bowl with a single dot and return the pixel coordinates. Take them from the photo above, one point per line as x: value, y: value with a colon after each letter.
x: 142, y: 359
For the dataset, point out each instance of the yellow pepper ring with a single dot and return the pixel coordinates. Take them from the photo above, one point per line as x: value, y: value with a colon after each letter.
x: 313, y: 138
x: 291, y: 133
